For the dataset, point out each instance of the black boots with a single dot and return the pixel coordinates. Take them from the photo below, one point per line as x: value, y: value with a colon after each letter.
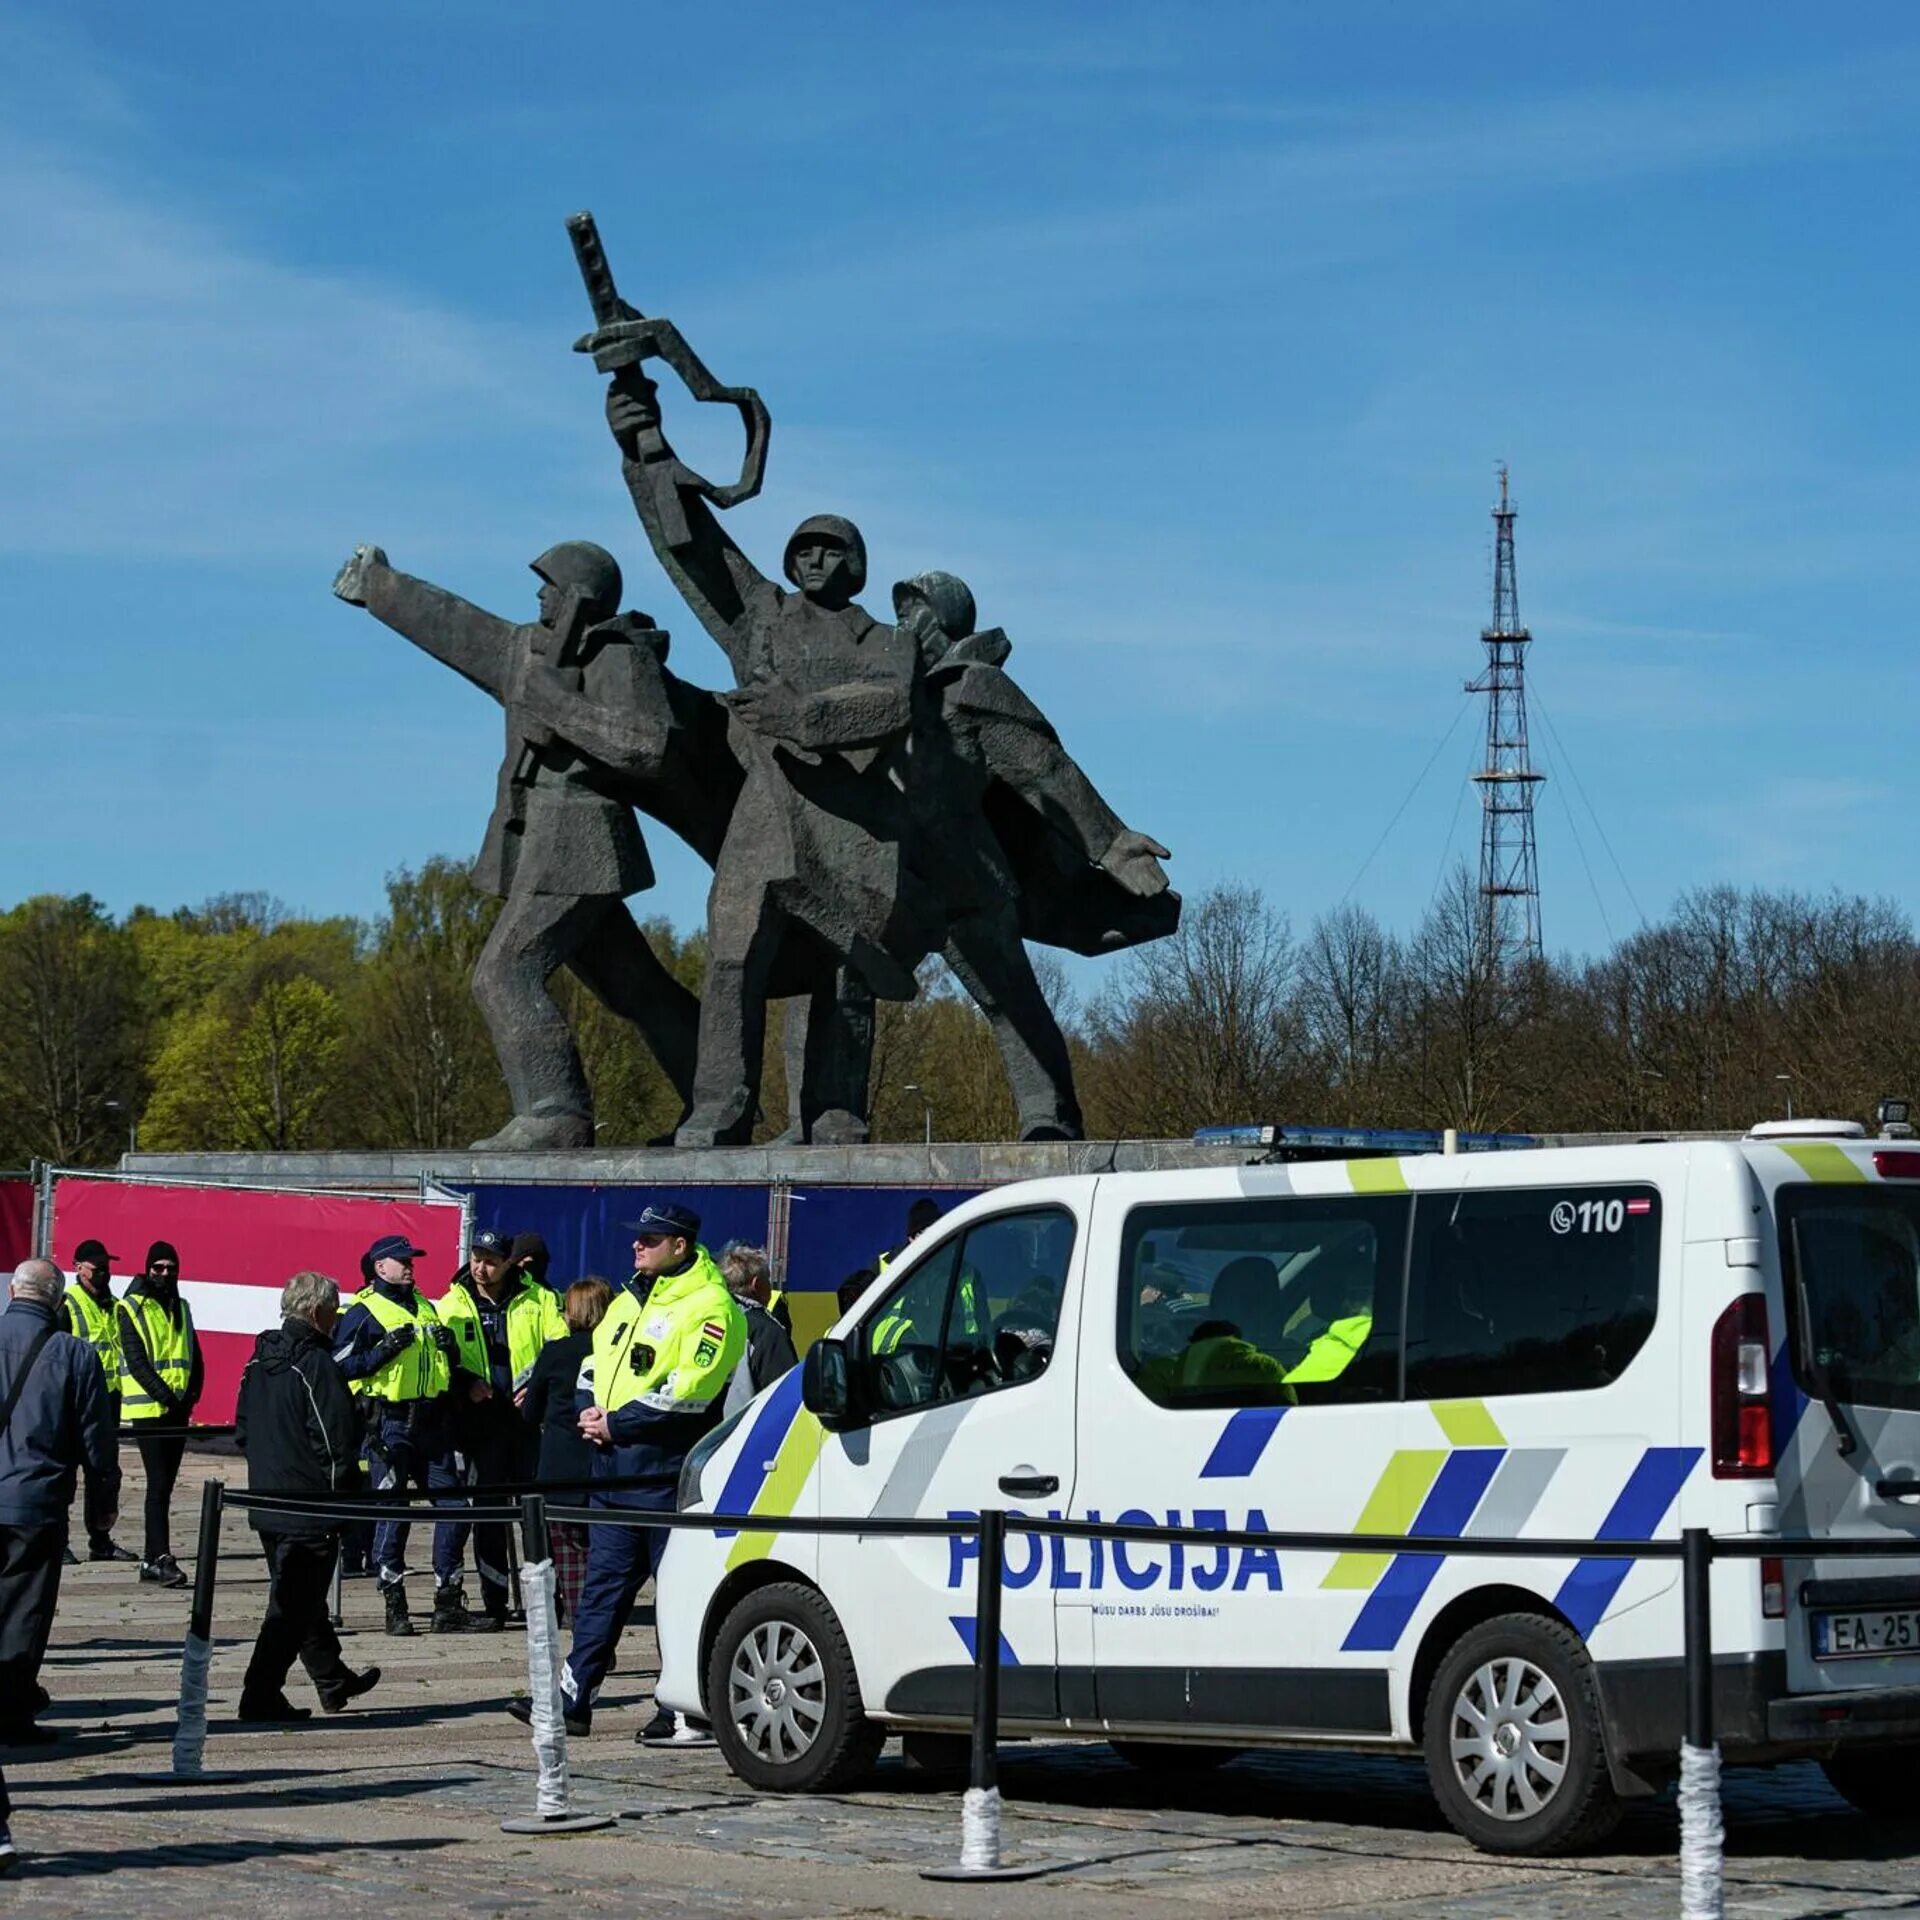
x: 398, y: 1622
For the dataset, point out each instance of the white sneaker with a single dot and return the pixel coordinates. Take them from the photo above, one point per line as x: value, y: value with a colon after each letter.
x: 675, y: 1730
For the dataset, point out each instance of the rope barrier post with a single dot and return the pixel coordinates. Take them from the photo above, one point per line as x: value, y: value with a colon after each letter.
x: 1703, y: 1833
x: 980, y: 1809
x: 553, y: 1801
x: 190, y: 1727
x: 336, y: 1609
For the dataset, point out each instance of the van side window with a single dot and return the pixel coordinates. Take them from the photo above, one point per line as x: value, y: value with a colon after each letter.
x: 1536, y: 1290
x: 979, y: 1313
x: 1853, y: 1254
x: 1263, y: 1303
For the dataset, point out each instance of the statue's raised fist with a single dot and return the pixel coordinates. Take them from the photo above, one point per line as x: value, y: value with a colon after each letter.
x: 350, y: 583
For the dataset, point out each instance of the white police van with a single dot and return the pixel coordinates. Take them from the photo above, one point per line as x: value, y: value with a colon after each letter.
x: 1603, y: 1343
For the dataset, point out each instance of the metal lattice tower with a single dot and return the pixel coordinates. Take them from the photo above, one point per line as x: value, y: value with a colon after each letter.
x: 1509, y: 869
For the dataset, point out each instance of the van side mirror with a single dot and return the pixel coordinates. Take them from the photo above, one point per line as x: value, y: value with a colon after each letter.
x: 826, y: 1385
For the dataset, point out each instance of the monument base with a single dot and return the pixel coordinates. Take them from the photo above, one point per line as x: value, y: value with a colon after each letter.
x: 957, y: 1163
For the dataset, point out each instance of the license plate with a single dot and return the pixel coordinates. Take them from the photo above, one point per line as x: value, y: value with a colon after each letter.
x: 1875, y: 1630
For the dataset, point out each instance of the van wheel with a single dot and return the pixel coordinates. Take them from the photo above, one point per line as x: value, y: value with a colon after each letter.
x: 784, y: 1698
x: 1168, y: 1757
x: 1877, y: 1780
x: 1513, y: 1739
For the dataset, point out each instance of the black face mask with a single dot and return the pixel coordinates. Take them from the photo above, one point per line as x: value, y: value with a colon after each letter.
x: 166, y: 1282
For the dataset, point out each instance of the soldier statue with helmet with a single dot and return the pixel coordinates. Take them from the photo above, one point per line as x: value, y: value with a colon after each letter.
x: 563, y: 849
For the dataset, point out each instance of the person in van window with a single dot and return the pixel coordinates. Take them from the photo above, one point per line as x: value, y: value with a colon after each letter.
x: 1345, y: 1299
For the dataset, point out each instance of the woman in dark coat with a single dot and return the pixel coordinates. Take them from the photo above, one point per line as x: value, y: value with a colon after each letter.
x: 548, y: 1406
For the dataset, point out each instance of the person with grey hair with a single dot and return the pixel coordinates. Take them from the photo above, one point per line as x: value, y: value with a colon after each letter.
x: 55, y: 1416
x: 297, y: 1424
x: 749, y: 1277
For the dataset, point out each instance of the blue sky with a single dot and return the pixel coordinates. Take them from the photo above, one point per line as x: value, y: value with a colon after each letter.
x: 1191, y: 337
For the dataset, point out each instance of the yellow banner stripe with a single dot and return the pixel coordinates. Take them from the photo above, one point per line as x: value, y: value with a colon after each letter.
x: 1821, y: 1160
x: 1467, y: 1423
x: 781, y: 1490
x: 1407, y: 1481
x: 1377, y: 1176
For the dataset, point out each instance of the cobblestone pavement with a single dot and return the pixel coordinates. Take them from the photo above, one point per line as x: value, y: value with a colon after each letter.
x: 401, y: 1801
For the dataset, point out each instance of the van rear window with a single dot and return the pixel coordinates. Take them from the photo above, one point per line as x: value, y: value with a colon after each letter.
x: 1532, y: 1290
x: 1853, y: 1254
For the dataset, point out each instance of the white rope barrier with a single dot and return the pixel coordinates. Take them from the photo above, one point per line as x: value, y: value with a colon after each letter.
x: 190, y: 1728
x: 1703, y: 1836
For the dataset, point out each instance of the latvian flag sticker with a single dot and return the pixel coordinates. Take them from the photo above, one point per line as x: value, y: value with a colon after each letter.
x: 714, y: 1330
x: 1639, y: 1206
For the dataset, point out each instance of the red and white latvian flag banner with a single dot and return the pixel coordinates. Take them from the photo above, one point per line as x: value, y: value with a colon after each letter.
x: 239, y: 1246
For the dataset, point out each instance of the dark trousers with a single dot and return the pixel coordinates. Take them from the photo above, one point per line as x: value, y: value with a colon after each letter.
x: 620, y: 1561
x: 300, y: 1570
x: 160, y: 1457
x: 100, y: 1500
x: 30, y: 1560
x: 499, y: 1452
x: 413, y: 1454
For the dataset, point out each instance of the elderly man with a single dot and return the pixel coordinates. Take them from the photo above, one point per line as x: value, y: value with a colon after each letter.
x: 769, y: 1351
x: 297, y: 1424
x: 55, y: 1416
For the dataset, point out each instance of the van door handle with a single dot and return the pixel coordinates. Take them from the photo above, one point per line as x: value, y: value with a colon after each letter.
x: 1887, y: 1489
x: 1029, y: 1486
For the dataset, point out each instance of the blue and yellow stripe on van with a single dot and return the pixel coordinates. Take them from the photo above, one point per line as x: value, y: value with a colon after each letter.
x: 1478, y: 1486
x: 772, y: 1468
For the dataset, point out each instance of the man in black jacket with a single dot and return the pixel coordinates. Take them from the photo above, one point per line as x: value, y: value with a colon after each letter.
x: 297, y: 1424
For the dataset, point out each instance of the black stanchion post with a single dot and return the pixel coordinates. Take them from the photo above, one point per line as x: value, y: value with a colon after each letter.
x: 206, y: 1566
x: 190, y: 1725
x: 1703, y: 1836
x: 533, y: 1528
x: 1696, y: 1566
x: 985, y: 1772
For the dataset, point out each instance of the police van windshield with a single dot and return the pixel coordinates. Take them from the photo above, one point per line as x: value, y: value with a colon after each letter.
x: 1853, y: 1256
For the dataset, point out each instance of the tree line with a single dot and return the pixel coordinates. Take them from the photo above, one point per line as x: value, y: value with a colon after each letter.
x: 239, y: 1026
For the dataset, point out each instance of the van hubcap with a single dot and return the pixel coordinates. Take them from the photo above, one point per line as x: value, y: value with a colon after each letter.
x: 777, y: 1691
x: 1509, y: 1738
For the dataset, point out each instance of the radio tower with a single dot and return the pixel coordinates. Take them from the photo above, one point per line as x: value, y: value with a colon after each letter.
x: 1509, y: 872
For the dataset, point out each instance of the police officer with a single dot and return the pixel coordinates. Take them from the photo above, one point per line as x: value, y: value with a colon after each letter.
x: 161, y: 1375
x: 500, y: 1317
x: 92, y: 1317
x: 661, y: 1359
x: 399, y: 1358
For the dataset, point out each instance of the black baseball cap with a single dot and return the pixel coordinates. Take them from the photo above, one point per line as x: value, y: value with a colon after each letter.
x: 92, y: 1250
x: 395, y: 1246
x: 487, y: 1241
x: 668, y: 1217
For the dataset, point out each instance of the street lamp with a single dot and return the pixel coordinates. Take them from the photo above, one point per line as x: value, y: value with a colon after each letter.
x: 1786, y: 1080
x: 133, y: 1125
x: 926, y: 1107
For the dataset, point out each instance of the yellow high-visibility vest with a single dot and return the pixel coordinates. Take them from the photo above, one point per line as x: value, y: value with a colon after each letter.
x: 169, y: 1350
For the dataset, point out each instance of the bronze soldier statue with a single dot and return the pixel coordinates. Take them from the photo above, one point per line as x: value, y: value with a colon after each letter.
x: 563, y: 849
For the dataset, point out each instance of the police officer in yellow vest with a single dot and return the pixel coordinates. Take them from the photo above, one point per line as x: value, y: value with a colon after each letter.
x: 92, y: 1316
x: 500, y: 1317
x: 161, y: 1376
x: 399, y: 1359
x: 661, y: 1360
